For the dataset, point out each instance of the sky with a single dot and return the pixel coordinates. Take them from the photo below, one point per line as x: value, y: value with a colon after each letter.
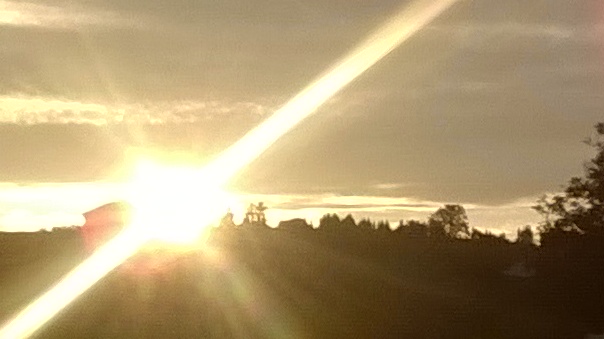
x: 487, y: 106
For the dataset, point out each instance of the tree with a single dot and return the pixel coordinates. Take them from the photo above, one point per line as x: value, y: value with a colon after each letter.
x: 525, y: 236
x: 365, y: 225
x: 329, y: 222
x: 227, y: 220
x: 348, y: 223
x: 450, y: 221
x: 526, y: 239
x: 383, y: 226
x: 255, y: 214
x: 580, y: 208
x: 260, y: 208
x: 417, y: 229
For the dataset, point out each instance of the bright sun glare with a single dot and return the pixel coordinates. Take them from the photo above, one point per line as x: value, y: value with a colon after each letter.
x: 176, y: 205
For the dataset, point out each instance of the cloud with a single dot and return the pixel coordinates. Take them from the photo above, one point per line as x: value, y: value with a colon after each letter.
x: 532, y: 30
x: 457, y: 87
x: 345, y: 202
x: 388, y: 186
x: 553, y: 31
x: 13, y: 13
x: 549, y: 31
x: 42, y: 110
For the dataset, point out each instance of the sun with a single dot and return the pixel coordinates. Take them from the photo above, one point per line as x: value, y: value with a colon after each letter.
x: 176, y: 204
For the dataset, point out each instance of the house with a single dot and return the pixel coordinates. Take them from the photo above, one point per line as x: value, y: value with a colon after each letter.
x: 104, y: 222
x: 294, y: 224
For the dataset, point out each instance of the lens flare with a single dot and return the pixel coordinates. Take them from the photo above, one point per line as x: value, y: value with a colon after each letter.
x: 176, y: 205
x: 398, y: 29
x: 93, y: 269
x: 383, y: 41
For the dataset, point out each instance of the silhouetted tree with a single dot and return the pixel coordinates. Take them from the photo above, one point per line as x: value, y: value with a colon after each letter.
x: 227, y: 220
x: 250, y: 214
x: 348, y: 223
x: 383, y: 226
x: 255, y: 214
x: 260, y: 208
x: 417, y: 229
x: 581, y: 207
x: 329, y: 222
x: 525, y: 236
x: 572, y: 239
x: 450, y: 221
x: 477, y: 234
x: 365, y: 224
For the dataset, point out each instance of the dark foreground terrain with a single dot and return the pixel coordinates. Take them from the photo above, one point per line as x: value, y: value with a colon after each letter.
x: 253, y: 281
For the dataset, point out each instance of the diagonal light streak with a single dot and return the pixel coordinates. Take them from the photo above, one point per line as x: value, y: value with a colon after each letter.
x: 393, y: 33
x: 398, y: 29
x: 93, y: 269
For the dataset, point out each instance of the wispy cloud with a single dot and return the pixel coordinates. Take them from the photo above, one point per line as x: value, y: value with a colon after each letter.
x: 372, y: 202
x: 515, y: 29
x: 39, y: 110
x: 339, y: 202
x: 17, y: 13
x: 388, y: 186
